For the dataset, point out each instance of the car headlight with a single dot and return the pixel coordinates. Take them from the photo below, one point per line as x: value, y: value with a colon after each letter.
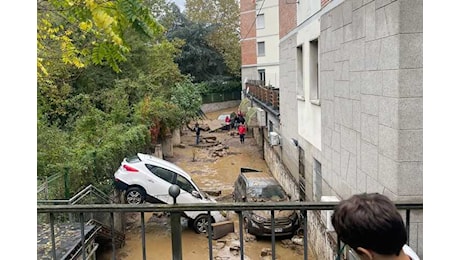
x: 258, y: 218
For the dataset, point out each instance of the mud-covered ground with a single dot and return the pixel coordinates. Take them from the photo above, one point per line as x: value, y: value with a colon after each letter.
x: 211, y: 173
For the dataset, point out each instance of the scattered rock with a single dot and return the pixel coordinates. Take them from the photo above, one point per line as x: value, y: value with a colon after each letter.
x: 297, y: 240
x: 235, y: 243
x: 249, y: 237
x: 266, y: 252
x: 286, y: 243
x: 232, y: 236
x: 220, y: 244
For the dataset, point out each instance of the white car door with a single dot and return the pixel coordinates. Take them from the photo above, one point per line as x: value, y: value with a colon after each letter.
x: 159, y: 182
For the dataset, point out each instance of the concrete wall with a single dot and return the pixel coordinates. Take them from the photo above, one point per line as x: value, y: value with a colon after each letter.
x: 279, y: 171
x: 307, y: 8
x: 288, y: 103
x: 249, y: 72
x: 219, y: 105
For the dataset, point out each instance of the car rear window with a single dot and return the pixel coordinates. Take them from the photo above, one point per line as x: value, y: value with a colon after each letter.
x: 133, y: 159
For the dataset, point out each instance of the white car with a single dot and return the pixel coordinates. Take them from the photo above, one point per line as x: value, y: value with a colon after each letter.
x: 147, y: 178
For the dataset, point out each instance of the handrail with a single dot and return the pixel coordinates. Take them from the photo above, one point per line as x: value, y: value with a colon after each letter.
x: 49, y: 179
x: 238, y: 207
x: 90, y: 189
x: 235, y: 206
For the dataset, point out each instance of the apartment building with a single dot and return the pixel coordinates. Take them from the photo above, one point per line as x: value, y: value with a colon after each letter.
x: 260, y: 41
x: 350, y: 102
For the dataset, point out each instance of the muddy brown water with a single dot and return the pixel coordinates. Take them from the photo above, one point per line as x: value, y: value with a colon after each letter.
x: 211, y: 174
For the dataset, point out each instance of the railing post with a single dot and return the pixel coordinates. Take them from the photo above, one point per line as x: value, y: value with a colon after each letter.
x: 144, y: 255
x: 46, y: 187
x: 66, y: 183
x: 176, y: 228
x: 53, y: 239
x: 82, y: 234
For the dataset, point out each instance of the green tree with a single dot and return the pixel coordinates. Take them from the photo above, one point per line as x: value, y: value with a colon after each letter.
x: 197, y: 58
x: 82, y: 32
x: 224, y: 14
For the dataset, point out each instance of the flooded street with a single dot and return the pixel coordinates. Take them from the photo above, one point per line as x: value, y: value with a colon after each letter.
x: 211, y: 174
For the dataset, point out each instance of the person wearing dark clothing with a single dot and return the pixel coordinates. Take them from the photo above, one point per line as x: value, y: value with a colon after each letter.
x: 241, y: 119
x: 237, y: 122
x: 197, y: 130
x: 233, y: 122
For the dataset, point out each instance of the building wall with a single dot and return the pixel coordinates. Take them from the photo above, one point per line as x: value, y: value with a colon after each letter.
x: 288, y: 16
x: 371, y: 100
x: 248, y: 33
x: 278, y: 169
x: 269, y: 34
x: 306, y: 8
x: 308, y: 112
x: 288, y: 104
x: 271, y: 74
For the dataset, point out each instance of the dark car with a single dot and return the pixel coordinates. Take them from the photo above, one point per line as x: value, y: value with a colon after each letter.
x: 256, y: 186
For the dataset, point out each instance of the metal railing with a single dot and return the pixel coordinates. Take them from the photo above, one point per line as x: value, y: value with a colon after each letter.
x: 176, y: 210
x: 265, y: 94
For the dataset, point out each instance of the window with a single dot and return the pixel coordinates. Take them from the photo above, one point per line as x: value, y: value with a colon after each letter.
x: 161, y: 173
x: 261, y: 75
x: 261, y: 49
x: 314, y: 72
x: 184, y: 184
x: 300, y: 84
x: 260, y: 21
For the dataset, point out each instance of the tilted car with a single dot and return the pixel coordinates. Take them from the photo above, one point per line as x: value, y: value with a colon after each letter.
x: 256, y: 186
x: 146, y: 178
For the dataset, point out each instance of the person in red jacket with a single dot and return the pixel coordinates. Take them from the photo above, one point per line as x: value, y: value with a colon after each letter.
x: 227, y: 123
x: 242, y: 132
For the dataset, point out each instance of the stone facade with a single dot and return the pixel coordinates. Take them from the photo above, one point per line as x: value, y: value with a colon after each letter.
x: 371, y: 97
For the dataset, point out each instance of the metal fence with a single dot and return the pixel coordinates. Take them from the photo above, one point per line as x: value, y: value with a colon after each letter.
x: 221, y: 97
x: 175, y: 210
x: 54, y: 186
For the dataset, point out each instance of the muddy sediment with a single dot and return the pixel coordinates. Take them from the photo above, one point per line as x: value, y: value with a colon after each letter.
x: 214, y: 165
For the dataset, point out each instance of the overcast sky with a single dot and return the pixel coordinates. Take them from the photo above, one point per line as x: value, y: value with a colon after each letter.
x: 180, y: 3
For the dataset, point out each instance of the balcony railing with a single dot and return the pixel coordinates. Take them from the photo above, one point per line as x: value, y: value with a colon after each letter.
x: 303, y: 207
x: 267, y: 95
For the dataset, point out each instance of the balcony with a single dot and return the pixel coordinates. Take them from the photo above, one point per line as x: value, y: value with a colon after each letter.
x: 50, y: 212
x: 266, y: 96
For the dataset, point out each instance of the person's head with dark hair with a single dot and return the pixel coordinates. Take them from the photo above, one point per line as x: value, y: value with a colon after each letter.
x: 371, y: 225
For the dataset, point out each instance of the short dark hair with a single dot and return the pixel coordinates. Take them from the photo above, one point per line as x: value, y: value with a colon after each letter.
x: 370, y: 221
